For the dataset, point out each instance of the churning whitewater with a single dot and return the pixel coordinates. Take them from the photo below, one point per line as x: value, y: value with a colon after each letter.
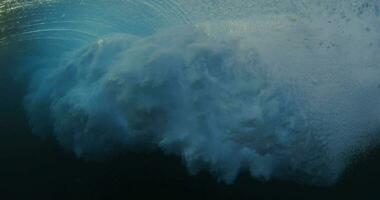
x: 282, y: 95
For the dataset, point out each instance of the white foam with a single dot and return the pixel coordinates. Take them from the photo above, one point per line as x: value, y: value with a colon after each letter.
x: 283, y: 96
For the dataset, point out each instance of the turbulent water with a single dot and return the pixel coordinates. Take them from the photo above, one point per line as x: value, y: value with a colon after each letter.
x: 285, y: 89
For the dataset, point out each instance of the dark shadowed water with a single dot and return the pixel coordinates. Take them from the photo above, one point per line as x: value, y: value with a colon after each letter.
x: 94, y: 100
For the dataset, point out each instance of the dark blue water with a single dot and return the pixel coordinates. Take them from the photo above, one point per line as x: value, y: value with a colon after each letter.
x: 189, y: 99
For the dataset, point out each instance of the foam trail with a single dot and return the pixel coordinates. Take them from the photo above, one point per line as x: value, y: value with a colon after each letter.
x: 290, y: 92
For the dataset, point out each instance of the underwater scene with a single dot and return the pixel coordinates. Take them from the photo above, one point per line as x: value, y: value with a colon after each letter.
x: 189, y: 99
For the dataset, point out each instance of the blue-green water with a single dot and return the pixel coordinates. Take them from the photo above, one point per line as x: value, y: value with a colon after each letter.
x: 188, y: 96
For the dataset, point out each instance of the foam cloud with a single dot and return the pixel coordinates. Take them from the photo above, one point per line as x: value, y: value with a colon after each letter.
x: 279, y: 104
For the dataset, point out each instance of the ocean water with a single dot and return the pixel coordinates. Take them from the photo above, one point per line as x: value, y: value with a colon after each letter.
x: 283, y: 91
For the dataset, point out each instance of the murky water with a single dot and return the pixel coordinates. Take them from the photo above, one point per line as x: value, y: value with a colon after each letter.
x: 110, y: 90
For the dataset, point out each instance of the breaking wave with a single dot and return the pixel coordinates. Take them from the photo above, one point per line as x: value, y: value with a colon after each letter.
x: 288, y: 95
